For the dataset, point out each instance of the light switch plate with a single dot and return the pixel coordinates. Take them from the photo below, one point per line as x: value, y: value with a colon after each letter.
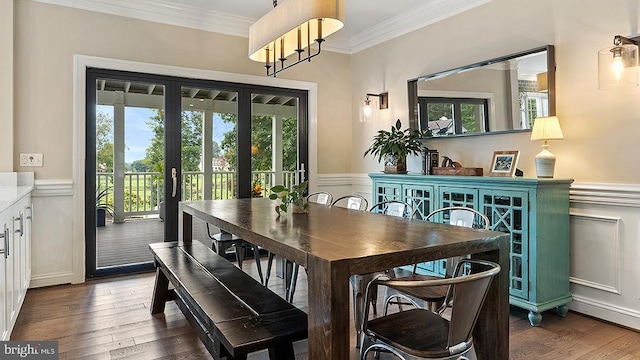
x: 30, y: 159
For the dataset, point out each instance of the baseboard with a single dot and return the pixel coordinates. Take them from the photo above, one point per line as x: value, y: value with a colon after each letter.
x: 51, y: 279
x: 606, y: 311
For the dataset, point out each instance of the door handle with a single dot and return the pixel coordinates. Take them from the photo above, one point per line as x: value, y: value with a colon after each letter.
x: 174, y: 180
x: 19, y: 221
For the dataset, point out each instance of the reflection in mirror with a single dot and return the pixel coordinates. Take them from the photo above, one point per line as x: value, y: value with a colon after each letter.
x: 499, y: 95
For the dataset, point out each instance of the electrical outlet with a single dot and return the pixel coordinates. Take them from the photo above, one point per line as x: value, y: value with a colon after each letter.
x: 30, y: 159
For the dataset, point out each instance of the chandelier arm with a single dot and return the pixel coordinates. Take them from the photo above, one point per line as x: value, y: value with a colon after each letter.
x: 282, y: 67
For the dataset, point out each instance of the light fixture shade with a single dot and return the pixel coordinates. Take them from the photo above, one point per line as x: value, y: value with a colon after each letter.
x: 287, y: 19
x: 618, y: 66
x: 542, y: 82
x: 546, y: 128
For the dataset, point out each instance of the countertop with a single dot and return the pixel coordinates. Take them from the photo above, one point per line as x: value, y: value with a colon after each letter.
x: 9, y: 195
x: 13, y: 187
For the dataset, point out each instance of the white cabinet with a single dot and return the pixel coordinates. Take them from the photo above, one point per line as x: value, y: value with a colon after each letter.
x: 4, y: 233
x: 15, y: 261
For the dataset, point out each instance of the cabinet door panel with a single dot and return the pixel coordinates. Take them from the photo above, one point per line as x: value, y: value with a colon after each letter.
x: 452, y: 196
x: 386, y: 191
x: 421, y: 198
x: 508, y: 212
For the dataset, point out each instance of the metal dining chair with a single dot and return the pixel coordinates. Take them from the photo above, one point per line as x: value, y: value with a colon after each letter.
x: 432, y: 297
x: 359, y: 282
x: 422, y: 334
x: 320, y: 197
x: 355, y: 202
x: 223, y: 240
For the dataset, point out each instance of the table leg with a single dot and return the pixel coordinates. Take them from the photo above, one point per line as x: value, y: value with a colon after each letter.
x: 185, y: 227
x: 328, y: 310
x: 491, y: 334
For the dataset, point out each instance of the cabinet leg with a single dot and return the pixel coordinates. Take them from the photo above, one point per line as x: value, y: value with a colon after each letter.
x: 562, y: 310
x: 535, y: 318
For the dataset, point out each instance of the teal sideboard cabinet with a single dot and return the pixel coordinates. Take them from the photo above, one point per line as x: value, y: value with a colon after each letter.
x: 534, y: 211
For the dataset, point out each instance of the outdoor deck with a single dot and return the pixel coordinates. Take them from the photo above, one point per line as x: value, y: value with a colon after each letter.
x: 127, y: 243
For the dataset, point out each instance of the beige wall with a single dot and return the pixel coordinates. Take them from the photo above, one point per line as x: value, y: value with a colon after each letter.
x: 601, y: 128
x: 47, y: 37
x: 6, y: 85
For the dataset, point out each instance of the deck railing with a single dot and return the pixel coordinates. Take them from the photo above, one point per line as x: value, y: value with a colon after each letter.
x: 143, y: 190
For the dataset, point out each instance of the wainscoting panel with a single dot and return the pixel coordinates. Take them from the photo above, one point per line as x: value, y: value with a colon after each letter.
x: 596, y: 240
x: 52, y: 233
x: 605, y: 252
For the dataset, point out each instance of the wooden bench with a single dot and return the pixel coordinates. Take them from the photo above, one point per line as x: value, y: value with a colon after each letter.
x: 232, y: 313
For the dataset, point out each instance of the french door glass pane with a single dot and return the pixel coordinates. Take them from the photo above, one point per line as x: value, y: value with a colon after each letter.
x: 209, y: 144
x: 129, y: 164
x: 274, y: 142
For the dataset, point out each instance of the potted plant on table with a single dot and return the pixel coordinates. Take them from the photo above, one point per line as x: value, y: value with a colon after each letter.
x: 394, y: 146
x: 290, y: 198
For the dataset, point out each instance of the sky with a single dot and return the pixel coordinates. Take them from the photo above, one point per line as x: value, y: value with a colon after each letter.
x: 138, y: 134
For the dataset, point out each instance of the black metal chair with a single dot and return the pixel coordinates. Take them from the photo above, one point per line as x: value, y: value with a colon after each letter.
x: 422, y: 334
x: 223, y: 240
x: 320, y: 197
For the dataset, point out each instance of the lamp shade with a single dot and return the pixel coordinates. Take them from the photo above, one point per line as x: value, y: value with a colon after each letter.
x: 293, y: 25
x: 542, y: 82
x: 618, y: 66
x: 546, y: 128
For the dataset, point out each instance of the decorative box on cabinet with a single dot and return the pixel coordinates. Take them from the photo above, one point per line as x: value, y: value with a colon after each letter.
x: 534, y: 211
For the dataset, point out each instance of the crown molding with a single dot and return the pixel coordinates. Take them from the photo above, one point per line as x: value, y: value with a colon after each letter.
x: 168, y: 12
x: 165, y: 12
x: 428, y: 13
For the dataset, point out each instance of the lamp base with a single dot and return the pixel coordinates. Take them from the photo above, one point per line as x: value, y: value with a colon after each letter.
x: 545, y: 163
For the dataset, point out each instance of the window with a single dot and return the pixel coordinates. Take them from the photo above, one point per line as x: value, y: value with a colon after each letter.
x: 448, y: 116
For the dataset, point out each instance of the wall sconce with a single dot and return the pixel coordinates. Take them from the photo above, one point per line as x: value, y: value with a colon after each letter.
x: 384, y: 104
x: 618, y: 65
x: 546, y: 128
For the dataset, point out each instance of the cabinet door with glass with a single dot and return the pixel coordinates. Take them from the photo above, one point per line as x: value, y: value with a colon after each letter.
x: 508, y: 212
x: 421, y: 198
x: 387, y: 191
x: 458, y: 196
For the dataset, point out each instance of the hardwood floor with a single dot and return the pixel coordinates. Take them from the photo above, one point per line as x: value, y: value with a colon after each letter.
x: 110, y: 319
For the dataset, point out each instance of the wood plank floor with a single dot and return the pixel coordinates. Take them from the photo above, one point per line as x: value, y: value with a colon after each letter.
x: 110, y: 319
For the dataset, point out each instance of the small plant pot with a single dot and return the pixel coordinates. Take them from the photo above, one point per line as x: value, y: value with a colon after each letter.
x: 395, y: 165
x: 101, y: 215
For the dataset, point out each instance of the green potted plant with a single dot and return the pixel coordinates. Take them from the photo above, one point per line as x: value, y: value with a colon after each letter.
x: 103, y: 207
x: 394, y: 146
x: 290, y: 198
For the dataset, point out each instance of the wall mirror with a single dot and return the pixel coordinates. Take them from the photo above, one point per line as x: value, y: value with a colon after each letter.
x: 500, y: 95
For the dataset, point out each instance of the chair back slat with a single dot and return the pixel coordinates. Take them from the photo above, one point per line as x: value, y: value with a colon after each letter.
x: 393, y: 208
x: 354, y: 202
x: 468, y: 299
x: 321, y: 197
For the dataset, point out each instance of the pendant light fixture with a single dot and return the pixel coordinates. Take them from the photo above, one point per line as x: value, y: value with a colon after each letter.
x: 292, y: 27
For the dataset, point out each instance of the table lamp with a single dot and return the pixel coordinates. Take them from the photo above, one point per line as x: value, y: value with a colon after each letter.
x: 546, y: 128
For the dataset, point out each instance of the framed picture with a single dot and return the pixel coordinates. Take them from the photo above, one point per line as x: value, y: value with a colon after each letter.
x: 504, y: 163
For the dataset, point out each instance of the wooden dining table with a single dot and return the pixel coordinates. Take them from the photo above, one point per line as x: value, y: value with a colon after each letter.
x: 333, y: 243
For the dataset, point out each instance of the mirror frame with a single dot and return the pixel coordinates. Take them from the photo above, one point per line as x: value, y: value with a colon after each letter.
x: 412, y: 88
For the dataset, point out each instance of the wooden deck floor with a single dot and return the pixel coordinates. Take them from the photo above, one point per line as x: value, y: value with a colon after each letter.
x: 127, y: 243
x: 109, y: 319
